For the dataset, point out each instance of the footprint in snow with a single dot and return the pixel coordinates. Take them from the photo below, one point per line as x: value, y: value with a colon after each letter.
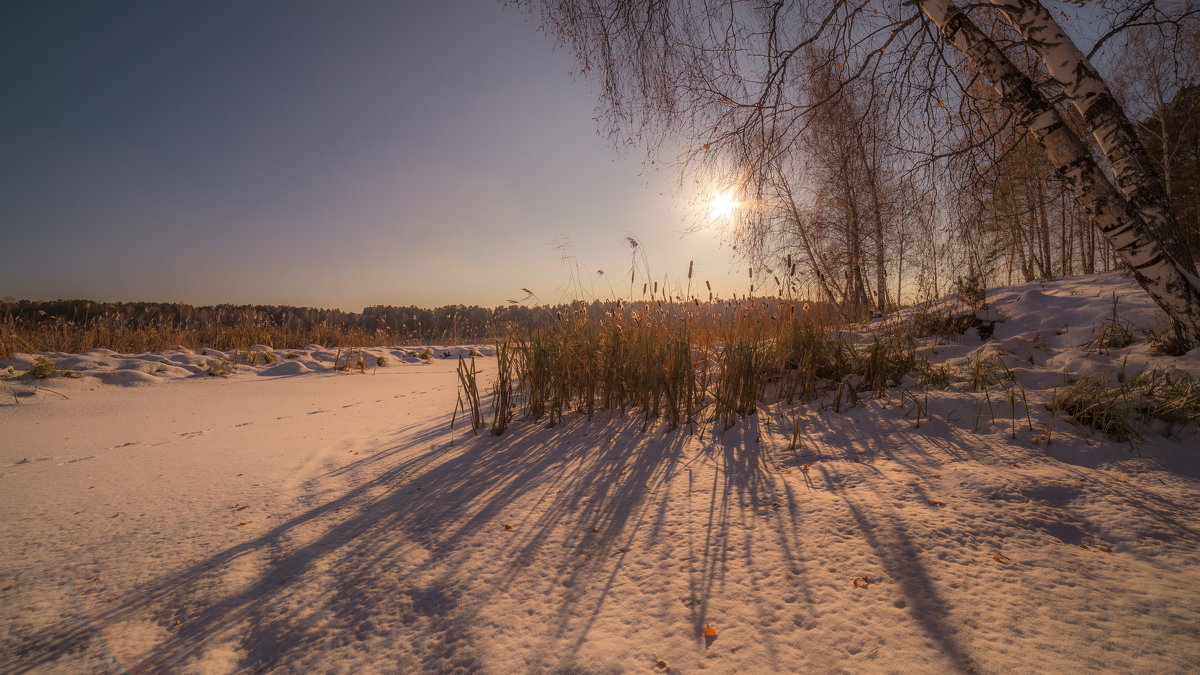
x: 78, y: 459
x: 26, y: 460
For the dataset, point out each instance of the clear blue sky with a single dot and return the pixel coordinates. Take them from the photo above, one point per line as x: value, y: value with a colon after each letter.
x: 334, y: 154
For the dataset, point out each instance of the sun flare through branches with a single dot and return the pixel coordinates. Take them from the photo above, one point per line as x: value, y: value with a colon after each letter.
x: 722, y: 205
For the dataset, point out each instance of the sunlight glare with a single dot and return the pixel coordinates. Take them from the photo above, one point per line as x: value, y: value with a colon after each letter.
x: 722, y: 205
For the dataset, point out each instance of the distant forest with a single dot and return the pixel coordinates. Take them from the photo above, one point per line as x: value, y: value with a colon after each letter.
x: 380, y: 324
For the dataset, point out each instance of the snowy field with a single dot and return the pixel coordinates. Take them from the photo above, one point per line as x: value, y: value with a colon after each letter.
x: 291, y: 518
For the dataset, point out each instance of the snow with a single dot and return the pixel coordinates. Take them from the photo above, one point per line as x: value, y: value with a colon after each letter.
x: 293, y: 518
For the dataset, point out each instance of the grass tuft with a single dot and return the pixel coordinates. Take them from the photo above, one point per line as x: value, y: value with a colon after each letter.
x: 1124, y: 412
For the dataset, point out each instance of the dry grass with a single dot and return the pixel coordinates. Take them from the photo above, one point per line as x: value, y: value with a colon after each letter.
x: 689, y: 364
x: 1124, y: 412
x: 119, y: 335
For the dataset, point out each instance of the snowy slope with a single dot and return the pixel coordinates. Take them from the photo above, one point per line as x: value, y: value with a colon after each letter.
x: 333, y: 522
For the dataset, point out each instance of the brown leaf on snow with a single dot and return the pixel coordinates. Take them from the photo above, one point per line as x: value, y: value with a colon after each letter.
x: 861, y: 582
x: 1102, y: 547
x: 936, y: 475
x: 934, y: 502
x: 246, y: 522
x: 662, y: 665
x: 709, y: 631
x: 507, y: 526
x: 1002, y: 559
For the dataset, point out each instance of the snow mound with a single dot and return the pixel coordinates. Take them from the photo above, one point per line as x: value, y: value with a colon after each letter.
x: 104, y: 366
x: 286, y: 368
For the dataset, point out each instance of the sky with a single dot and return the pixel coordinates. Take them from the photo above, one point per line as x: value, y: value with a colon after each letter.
x: 319, y: 154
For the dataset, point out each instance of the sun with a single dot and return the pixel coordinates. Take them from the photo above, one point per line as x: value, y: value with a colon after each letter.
x: 722, y: 205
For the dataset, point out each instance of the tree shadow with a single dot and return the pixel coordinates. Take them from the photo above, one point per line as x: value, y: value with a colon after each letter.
x: 421, y: 495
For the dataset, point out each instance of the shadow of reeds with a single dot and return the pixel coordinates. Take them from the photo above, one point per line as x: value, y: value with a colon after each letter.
x: 394, y: 540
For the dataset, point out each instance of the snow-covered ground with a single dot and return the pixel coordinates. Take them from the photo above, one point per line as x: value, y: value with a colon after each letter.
x: 292, y: 518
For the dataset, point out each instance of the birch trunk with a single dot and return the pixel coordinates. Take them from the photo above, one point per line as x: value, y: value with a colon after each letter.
x: 814, y: 260
x: 1118, y: 140
x: 1133, y: 240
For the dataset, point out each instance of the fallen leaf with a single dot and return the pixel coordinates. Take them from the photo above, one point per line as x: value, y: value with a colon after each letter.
x: 937, y: 475
x: 245, y: 522
x: 239, y: 508
x: 1102, y: 547
x: 861, y: 582
x: 1002, y: 559
x: 934, y: 502
x: 662, y: 665
x: 507, y: 526
x: 709, y: 631
x: 116, y: 514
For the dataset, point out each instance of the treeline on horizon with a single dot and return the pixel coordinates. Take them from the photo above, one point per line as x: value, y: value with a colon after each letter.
x: 78, y: 325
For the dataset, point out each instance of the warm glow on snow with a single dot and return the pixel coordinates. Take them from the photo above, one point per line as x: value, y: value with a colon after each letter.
x: 722, y: 205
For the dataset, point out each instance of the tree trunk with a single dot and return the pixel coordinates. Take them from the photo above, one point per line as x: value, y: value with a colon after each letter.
x: 1131, y: 166
x: 1042, y: 227
x: 814, y: 261
x: 1155, y: 270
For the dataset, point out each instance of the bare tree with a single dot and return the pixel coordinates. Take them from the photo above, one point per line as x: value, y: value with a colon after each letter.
x: 729, y: 75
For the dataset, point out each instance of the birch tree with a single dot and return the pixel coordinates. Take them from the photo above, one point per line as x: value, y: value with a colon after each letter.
x: 728, y: 77
x: 1141, y: 228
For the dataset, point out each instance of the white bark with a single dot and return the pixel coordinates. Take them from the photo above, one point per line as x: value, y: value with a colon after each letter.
x: 1133, y: 240
x: 1118, y: 140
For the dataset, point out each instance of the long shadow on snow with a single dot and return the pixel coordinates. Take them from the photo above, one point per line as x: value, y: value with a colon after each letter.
x: 436, y: 496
